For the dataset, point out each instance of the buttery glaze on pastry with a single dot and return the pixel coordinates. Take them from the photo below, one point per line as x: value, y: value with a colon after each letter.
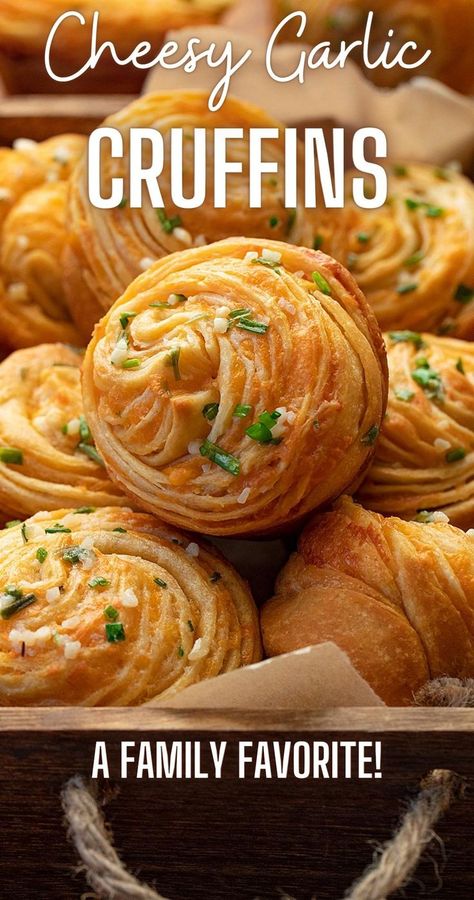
x: 32, y: 220
x: 397, y: 597
x: 47, y: 456
x: 414, y: 257
x: 445, y: 27
x: 114, y: 609
x: 424, y: 462
x: 109, y: 248
x: 236, y: 387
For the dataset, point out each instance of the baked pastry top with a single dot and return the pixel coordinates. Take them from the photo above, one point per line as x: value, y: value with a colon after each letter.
x: 235, y: 387
x: 47, y: 455
x: 109, y: 248
x: 414, y: 257
x: 112, y: 608
x: 445, y: 27
x: 396, y: 596
x: 33, y: 178
x: 424, y: 461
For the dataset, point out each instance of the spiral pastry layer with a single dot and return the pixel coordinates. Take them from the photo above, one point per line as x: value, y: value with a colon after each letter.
x: 444, y: 27
x: 47, y: 456
x: 114, y: 609
x: 397, y: 597
x: 424, y: 462
x: 109, y: 248
x: 236, y: 387
x: 33, y: 191
x: 414, y: 257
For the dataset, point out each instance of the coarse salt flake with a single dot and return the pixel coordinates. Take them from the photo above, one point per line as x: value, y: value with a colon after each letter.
x: 192, y: 550
x: 271, y: 256
x: 24, y: 145
x: 71, y: 623
x: 244, y: 496
x: 183, y: 236
x: 194, y: 448
x: 198, y: 651
x: 250, y: 256
x: 129, y: 599
x: 220, y: 325
x: 440, y: 517
x: 18, y: 291
x: 73, y: 426
x: 441, y: 444
x: 119, y: 353
x: 287, y: 306
x: 200, y: 240
x: 52, y: 594
x: 72, y: 649
x: 146, y: 262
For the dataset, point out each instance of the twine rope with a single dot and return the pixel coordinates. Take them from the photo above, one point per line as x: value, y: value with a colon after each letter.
x: 392, y: 869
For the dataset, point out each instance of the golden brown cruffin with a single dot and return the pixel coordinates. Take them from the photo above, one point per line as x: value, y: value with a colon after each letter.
x: 109, y: 248
x: 114, y: 609
x: 396, y: 596
x: 444, y: 27
x: 47, y: 456
x: 424, y: 461
x: 33, y: 308
x: 236, y: 387
x: 414, y: 257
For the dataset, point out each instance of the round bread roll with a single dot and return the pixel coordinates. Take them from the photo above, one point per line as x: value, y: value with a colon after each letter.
x: 123, y: 22
x: 443, y: 27
x: 114, y: 609
x: 397, y: 597
x: 32, y: 304
x: 109, y: 248
x: 236, y: 387
x: 424, y: 461
x: 413, y: 257
x: 47, y: 455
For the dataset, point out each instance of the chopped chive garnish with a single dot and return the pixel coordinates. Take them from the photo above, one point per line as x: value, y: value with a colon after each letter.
x: 85, y: 510
x: 11, y: 455
x: 400, y: 171
x: 160, y: 582
x: 23, y: 533
x: 413, y: 204
x: 215, y: 577
x: 120, y: 530
x: 91, y: 452
x: 41, y: 554
x: 318, y: 242
x: 75, y: 555
x: 460, y: 366
x: 57, y: 529
x: 210, y: 411
x: 19, y: 601
x: 414, y: 259
x: 363, y: 237
x: 13, y: 523
x: 125, y: 318
x: 407, y: 288
x: 261, y: 431
x: 268, y: 264
x: 273, y: 221
x: 64, y: 428
x: 454, y: 455
x: 442, y: 174
x: 98, y: 581
x: 180, y: 652
x: 242, y: 410
x: 352, y: 260
x: 371, y: 436
x: 316, y: 424
x: 220, y: 457
x: 173, y: 361
x: 240, y: 318
x: 123, y: 203
x: 322, y: 284
x: 111, y: 613
x: 131, y: 364
x: 404, y: 394
x: 434, y: 212
x: 429, y: 380
x: 114, y: 632
x: 190, y: 625
x: 409, y: 337
x: 85, y: 433
x: 168, y: 225
x: 464, y: 293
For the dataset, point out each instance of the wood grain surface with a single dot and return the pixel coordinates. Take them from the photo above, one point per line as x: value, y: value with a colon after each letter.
x: 220, y: 840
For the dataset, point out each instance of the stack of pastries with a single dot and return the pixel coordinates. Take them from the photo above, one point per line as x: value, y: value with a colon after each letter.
x: 235, y: 381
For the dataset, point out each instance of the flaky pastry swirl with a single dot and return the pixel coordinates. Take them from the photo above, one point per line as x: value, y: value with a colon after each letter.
x: 424, y: 462
x: 115, y: 609
x: 443, y: 27
x: 397, y: 596
x: 414, y: 257
x: 47, y: 455
x: 236, y: 387
x: 109, y: 248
